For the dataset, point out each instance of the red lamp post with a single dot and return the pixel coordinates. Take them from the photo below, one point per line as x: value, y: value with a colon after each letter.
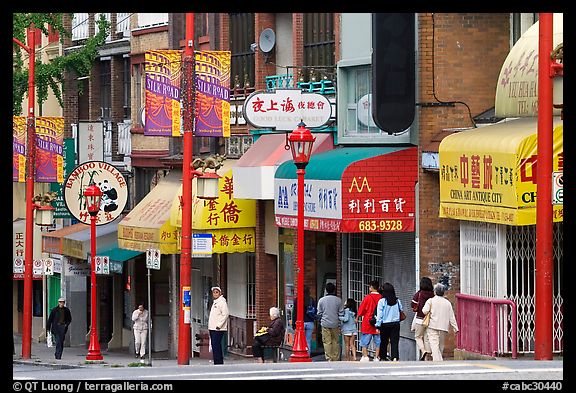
x: 186, y: 245
x: 93, y: 194
x: 30, y: 164
x: 301, y: 141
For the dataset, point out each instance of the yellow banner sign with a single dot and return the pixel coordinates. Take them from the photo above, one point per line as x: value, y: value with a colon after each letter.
x: 232, y: 240
x: 489, y: 174
x: 220, y: 213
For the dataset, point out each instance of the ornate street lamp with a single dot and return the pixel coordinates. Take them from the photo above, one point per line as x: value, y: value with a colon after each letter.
x: 301, y: 141
x: 207, y: 185
x: 93, y: 195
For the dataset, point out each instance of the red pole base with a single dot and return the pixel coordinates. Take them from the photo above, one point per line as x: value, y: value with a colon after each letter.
x: 94, y: 348
x: 300, y: 348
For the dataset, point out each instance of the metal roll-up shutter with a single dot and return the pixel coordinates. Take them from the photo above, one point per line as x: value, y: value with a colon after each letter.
x: 399, y: 269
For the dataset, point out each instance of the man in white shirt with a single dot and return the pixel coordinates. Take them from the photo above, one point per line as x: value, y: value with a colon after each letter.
x: 441, y: 317
x: 140, y: 319
x: 218, y: 324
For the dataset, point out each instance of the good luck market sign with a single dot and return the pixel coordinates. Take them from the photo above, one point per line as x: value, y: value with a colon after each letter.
x: 283, y: 109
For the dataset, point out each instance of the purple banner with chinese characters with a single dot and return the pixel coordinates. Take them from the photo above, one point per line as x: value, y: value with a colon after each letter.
x: 163, y: 70
x: 18, y: 149
x: 212, y: 84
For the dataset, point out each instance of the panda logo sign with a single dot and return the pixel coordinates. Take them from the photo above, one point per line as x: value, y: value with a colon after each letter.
x: 108, y: 179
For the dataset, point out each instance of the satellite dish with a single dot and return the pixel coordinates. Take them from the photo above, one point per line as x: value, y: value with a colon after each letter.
x: 267, y: 40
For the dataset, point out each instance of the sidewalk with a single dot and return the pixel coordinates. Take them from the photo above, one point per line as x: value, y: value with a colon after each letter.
x: 75, y: 357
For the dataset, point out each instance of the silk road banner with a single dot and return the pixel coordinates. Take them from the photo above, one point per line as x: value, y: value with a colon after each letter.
x: 163, y: 70
x: 212, y: 84
x: 49, y: 160
x: 19, y: 149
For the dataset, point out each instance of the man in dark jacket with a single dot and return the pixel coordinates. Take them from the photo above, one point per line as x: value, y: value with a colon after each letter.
x: 58, y: 322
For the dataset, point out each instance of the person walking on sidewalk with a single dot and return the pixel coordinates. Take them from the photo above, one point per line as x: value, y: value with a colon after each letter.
x: 218, y: 324
x: 418, y: 300
x: 369, y: 332
x: 441, y: 317
x: 330, y: 308
x: 58, y: 322
x: 140, y: 327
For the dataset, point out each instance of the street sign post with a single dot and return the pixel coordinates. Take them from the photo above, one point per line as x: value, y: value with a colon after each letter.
x: 152, y: 262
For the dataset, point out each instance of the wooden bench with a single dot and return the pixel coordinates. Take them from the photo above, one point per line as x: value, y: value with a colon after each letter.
x: 274, y: 351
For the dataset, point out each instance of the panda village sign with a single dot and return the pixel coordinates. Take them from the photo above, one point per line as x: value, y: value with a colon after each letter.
x: 110, y: 181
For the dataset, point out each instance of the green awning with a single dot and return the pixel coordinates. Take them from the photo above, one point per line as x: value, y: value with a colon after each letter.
x: 331, y: 164
x: 117, y: 256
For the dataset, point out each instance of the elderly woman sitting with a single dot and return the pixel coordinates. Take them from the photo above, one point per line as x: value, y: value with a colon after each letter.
x: 269, y: 336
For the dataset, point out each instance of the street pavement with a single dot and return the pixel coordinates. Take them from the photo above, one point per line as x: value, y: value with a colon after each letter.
x: 75, y: 357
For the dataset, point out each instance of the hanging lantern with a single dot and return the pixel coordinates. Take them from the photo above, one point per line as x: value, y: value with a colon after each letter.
x: 44, y: 215
x: 301, y: 142
x: 207, y: 185
x: 93, y: 195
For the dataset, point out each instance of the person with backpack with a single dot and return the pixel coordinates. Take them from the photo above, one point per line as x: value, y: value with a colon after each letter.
x: 310, y: 312
x: 369, y: 332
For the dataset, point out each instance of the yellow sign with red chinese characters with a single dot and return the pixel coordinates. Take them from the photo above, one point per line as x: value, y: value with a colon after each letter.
x: 231, y: 221
x: 490, y: 174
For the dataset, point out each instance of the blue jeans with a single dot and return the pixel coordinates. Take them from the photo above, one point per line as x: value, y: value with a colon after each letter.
x: 59, y: 332
x: 308, y: 329
x: 216, y: 341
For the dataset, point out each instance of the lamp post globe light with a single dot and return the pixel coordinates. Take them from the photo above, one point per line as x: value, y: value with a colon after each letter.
x: 93, y: 195
x: 301, y: 141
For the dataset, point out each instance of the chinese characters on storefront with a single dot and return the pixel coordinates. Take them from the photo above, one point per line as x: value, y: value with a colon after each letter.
x: 374, y: 196
x: 498, y: 187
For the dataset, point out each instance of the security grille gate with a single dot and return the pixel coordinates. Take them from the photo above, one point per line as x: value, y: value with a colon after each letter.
x: 386, y: 257
x: 498, y: 261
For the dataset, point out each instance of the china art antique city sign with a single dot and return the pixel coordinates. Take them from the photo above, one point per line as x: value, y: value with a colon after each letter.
x: 110, y: 181
x: 283, y: 109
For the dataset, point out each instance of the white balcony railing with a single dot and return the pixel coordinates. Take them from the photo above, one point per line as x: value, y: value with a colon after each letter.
x: 123, y: 23
x: 124, y: 139
x: 80, y: 26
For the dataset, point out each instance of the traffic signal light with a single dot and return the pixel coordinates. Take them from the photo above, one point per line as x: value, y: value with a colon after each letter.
x: 393, y: 71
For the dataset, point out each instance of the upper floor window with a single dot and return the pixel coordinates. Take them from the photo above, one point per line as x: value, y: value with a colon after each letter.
x: 319, y: 45
x: 105, y: 88
x: 80, y: 26
x: 126, y: 90
x: 146, y: 19
x: 520, y: 23
x: 356, y: 124
x: 241, y: 37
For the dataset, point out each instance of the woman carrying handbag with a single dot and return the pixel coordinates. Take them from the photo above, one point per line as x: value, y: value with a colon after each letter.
x: 425, y: 292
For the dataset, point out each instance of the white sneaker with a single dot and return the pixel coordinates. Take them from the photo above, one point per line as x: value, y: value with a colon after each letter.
x: 364, y: 359
x: 376, y: 359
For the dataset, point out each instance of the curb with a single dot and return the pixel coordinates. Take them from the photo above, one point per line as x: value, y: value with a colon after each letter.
x: 46, y: 364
